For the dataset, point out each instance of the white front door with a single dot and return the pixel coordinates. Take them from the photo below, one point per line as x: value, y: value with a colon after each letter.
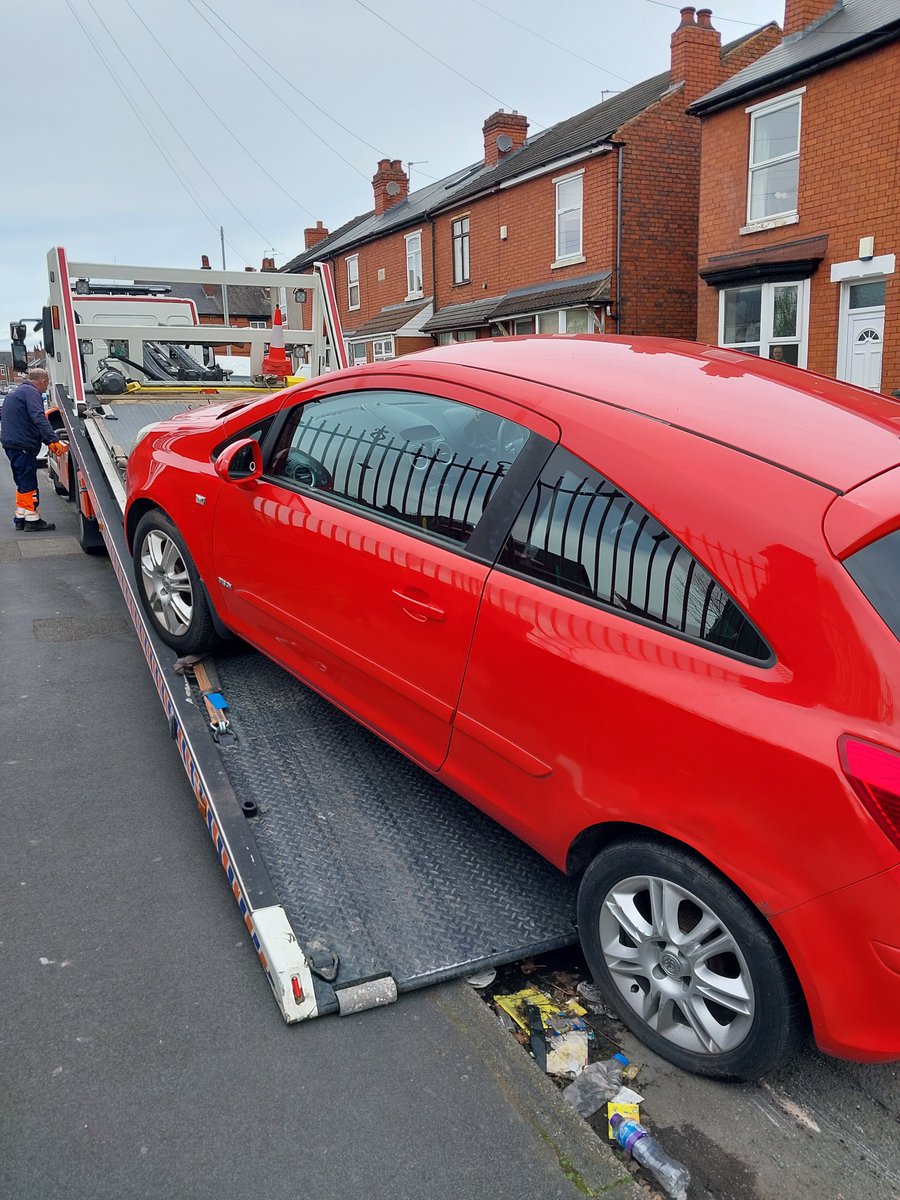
x: 865, y: 340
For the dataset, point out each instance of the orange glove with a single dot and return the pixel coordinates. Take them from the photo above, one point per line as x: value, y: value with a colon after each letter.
x: 58, y: 447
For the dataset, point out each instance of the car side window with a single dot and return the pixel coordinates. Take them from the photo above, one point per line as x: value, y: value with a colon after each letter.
x: 426, y: 461
x: 578, y: 532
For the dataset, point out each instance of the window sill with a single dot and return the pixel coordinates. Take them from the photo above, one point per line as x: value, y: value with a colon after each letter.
x: 416, y: 296
x: 572, y: 261
x: 770, y: 223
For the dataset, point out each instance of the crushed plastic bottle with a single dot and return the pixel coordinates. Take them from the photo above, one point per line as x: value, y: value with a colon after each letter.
x: 595, y: 1085
x: 672, y: 1176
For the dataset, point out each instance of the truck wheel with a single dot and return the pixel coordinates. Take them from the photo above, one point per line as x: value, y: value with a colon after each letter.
x: 169, y: 587
x: 687, y: 963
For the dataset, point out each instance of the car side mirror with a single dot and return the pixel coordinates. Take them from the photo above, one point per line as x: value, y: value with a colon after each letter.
x: 241, y: 462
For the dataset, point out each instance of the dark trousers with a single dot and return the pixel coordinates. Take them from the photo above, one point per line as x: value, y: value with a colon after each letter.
x: 25, y: 472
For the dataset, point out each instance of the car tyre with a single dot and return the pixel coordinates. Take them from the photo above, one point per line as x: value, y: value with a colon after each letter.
x: 687, y: 963
x: 169, y: 586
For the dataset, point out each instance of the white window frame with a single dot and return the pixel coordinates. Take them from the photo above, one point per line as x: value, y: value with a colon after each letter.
x: 414, y: 265
x: 258, y: 324
x: 767, y: 310
x: 382, y: 349
x: 766, y: 108
x: 460, y: 241
x: 353, y: 282
x: 576, y: 256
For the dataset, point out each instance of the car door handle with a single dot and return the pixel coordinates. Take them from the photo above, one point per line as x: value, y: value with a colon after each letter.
x: 418, y: 606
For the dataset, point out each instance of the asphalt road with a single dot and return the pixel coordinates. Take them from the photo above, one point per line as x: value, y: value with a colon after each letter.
x: 141, y: 1052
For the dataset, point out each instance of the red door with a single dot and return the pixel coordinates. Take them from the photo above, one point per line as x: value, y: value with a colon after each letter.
x: 348, y: 562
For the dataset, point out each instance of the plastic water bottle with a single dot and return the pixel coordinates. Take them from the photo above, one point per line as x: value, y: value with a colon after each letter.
x: 672, y: 1176
x: 595, y: 1085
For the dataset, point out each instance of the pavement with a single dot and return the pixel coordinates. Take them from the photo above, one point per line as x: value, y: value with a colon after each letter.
x: 141, y: 1051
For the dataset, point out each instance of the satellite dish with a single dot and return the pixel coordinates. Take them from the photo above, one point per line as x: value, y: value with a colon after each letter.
x: 504, y: 142
x: 393, y: 188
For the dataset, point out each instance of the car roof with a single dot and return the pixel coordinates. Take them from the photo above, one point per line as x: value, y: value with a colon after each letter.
x: 828, y: 431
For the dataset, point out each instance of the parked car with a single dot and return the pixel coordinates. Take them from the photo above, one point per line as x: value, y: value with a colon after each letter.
x: 638, y: 600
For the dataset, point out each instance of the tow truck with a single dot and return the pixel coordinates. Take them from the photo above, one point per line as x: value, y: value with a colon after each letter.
x: 357, y: 875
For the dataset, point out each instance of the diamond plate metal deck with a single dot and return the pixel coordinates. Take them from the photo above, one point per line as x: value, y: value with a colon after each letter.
x: 372, y: 857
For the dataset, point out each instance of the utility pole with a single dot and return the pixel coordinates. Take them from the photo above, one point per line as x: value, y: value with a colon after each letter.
x: 224, y: 288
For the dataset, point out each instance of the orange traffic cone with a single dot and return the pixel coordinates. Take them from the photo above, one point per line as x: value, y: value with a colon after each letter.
x: 276, y: 362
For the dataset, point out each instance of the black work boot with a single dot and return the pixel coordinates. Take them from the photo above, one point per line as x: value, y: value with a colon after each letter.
x: 19, y: 522
x: 38, y: 526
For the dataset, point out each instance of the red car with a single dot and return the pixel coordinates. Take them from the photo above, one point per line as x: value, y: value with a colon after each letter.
x: 637, y: 599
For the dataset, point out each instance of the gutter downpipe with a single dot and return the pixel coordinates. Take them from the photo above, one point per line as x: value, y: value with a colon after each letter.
x: 620, y: 148
x: 434, y: 294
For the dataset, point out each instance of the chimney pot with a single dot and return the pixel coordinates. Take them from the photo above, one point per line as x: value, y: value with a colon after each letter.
x: 687, y: 17
x: 704, y: 18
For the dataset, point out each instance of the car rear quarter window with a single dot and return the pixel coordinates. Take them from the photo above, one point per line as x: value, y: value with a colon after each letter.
x: 876, y: 571
x: 578, y: 532
x: 428, y: 462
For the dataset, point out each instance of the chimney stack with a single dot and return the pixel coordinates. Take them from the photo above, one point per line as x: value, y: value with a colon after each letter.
x: 504, y: 133
x: 268, y: 264
x: 696, y: 54
x: 204, y: 263
x: 798, y: 14
x: 312, y: 237
x: 390, y: 184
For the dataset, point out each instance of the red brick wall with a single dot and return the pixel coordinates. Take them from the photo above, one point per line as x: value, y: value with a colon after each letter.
x: 847, y: 189
x: 389, y: 254
x: 529, y: 213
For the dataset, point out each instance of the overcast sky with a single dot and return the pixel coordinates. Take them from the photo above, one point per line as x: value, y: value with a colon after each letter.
x: 134, y: 129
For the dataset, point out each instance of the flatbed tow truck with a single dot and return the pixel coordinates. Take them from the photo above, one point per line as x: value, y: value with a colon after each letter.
x: 357, y: 874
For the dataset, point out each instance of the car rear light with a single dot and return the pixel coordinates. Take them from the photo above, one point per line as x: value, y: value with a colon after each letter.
x: 874, y: 774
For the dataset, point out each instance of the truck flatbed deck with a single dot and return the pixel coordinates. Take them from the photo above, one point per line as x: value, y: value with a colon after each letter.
x: 359, y: 876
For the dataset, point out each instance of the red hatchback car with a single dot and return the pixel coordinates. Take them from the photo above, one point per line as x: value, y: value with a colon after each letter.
x: 639, y: 600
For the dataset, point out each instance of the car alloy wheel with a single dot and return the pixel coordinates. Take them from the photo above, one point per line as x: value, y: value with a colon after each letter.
x: 687, y: 963
x: 676, y: 964
x: 170, y: 589
x: 166, y: 583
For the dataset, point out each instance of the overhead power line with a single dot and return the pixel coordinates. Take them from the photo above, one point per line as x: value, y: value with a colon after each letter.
x: 227, y: 129
x: 132, y: 104
x: 269, y: 88
x: 171, y: 123
x: 290, y: 83
x: 543, y: 38
x: 425, y: 50
x: 729, y: 20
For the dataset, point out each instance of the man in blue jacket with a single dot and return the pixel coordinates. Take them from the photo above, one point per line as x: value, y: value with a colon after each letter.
x: 23, y: 429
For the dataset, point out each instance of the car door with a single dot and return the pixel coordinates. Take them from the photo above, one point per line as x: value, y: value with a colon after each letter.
x: 356, y: 560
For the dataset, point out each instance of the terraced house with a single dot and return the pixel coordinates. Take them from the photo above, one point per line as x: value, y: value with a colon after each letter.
x: 588, y: 226
x: 799, y: 222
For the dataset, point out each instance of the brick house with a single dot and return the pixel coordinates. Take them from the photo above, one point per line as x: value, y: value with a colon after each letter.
x: 590, y: 225
x: 799, y: 225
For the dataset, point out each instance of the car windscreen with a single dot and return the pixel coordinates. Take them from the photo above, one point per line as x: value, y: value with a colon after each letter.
x: 876, y: 571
